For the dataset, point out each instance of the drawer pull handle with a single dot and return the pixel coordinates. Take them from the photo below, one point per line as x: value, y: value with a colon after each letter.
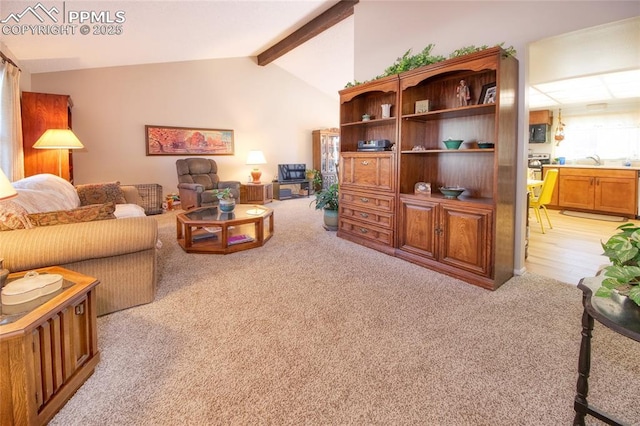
x: 363, y: 230
x: 79, y: 309
x: 364, y: 215
x: 364, y: 200
x: 365, y: 163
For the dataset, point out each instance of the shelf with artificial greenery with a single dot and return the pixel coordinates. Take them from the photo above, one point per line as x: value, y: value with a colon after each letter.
x: 408, y: 61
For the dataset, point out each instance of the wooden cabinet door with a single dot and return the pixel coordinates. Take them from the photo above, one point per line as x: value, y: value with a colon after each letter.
x: 368, y: 171
x: 616, y: 195
x: 465, y: 240
x: 417, y: 228
x: 576, y: 191
x: 40, y: 112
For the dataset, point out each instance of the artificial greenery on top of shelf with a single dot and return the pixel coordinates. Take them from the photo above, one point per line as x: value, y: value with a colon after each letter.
x: 408, y: 61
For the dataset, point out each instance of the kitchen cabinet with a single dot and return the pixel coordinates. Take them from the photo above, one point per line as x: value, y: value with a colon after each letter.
x: 600, y: 190
x: 541, y: 117
x: 326, y: 153
x: 40, y: 112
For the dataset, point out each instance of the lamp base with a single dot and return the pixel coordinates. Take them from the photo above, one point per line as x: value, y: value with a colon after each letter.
x: 255, y: 175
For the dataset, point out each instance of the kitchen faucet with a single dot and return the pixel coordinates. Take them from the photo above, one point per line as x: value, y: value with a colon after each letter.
x: 597, y: 159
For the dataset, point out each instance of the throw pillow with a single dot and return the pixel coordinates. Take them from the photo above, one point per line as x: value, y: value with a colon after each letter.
x: 12, y: 216
x: 100, y: 193
x: 81, y: 214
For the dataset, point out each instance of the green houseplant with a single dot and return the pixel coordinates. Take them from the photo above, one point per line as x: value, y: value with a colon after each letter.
x: 315, y: 177
x: 623, y: 275
x: 225, y: 197
x: 327, y: 200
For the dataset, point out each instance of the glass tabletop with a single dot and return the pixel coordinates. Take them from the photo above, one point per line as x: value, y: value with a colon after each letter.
x: 241, y: 211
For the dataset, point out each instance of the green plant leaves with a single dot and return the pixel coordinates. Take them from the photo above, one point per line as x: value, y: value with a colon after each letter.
x: 623, y: 250
x: 408, y: 61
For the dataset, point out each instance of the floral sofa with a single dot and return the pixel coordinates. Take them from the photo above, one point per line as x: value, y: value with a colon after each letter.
x: 51, y: 222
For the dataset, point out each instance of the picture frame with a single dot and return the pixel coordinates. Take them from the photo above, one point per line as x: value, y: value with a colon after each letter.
x: 169, y: 140
x: 488, y: 94
x: 422, y: 106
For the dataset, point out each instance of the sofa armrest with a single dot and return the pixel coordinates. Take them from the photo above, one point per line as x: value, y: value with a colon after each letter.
x: 191, y: 187
x: 26, y: 249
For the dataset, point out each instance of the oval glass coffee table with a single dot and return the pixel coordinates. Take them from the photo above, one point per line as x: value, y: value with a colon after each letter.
x: 209, y: 230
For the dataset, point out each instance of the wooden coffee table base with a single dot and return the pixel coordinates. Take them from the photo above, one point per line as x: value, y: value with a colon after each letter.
x: 206, y: 230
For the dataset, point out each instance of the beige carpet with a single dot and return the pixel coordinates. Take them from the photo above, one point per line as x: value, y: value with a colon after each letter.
x: 311, y: 329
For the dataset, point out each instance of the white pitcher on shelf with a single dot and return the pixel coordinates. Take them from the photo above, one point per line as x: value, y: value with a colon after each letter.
x: 386, y: 110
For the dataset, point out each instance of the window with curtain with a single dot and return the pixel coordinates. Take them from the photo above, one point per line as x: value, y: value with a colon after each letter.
x: 11, y: 154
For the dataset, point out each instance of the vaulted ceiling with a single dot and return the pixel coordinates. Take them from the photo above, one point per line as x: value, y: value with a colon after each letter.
x: 173, y: 31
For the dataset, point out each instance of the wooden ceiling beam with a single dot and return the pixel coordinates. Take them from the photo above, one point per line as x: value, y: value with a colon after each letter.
x: 341, y: 10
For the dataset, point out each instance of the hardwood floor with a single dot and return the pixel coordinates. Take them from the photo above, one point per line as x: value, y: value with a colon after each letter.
x: 571, y: 250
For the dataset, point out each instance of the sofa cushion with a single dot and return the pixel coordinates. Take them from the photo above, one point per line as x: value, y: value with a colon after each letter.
x: 99, y: 193
x: 81, y: 214
x: 13, y: 216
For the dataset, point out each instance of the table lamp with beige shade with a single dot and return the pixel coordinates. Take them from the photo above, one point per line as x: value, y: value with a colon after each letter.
x: 255, y: 158
x: 58, y: 139
x: 6, y: 189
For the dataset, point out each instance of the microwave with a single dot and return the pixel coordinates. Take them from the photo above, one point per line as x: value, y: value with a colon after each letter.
x: 538, y: 133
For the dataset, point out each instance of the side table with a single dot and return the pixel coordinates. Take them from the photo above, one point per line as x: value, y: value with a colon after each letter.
x: 256, y: 193
x: 618, y: 314
x: 47, y: 353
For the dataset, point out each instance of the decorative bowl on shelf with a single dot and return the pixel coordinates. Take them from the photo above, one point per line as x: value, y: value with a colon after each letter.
x: 486, y: 145
x: 451, y: 192
x: 452, y: 143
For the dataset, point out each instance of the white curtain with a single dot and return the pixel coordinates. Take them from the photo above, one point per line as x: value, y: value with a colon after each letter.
x: 11, y: 153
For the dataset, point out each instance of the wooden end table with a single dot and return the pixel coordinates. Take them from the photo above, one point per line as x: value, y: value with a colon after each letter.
x: 618, y: 314
x: 256, y: 193
x: 209, y: 230
x: 47, y: 353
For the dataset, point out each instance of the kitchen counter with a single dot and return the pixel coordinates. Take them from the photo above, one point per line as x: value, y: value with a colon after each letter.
x: 590, y: 166
x: 608, y: 189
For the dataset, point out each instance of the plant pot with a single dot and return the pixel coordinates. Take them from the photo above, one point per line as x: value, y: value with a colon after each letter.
x: 227, y: 206
x: 330, y: 220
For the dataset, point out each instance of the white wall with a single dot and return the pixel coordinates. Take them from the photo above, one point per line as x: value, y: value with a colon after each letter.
x: 267, y: 108
x: 385, y: 30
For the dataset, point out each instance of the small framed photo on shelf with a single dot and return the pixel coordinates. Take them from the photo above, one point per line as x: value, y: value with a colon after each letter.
x: 488, y: 94
x: 422, y: 188
x: 422, y: 106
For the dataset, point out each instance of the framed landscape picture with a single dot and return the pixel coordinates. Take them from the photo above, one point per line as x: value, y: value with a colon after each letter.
x: 166, y: 140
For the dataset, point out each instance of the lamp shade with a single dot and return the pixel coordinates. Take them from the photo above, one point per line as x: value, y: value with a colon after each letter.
x: 58, y: 139
x: 6, y: 189
x: 256, y: 157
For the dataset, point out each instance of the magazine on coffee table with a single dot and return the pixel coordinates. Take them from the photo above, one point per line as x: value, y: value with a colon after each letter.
x: 237, y: 239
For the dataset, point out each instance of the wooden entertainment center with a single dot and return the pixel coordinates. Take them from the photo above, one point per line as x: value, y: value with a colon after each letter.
x: 471, y: 237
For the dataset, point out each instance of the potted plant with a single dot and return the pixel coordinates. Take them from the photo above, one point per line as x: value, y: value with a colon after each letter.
x: 327, y: 200
x: 315, y: 177
x: 623, y: 275
x: 225, y: 197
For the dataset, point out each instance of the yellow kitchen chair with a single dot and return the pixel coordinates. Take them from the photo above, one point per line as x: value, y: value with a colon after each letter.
x: 544, y: 196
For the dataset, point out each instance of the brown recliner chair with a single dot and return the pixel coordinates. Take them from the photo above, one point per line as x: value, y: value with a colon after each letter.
x: 197, y: 178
